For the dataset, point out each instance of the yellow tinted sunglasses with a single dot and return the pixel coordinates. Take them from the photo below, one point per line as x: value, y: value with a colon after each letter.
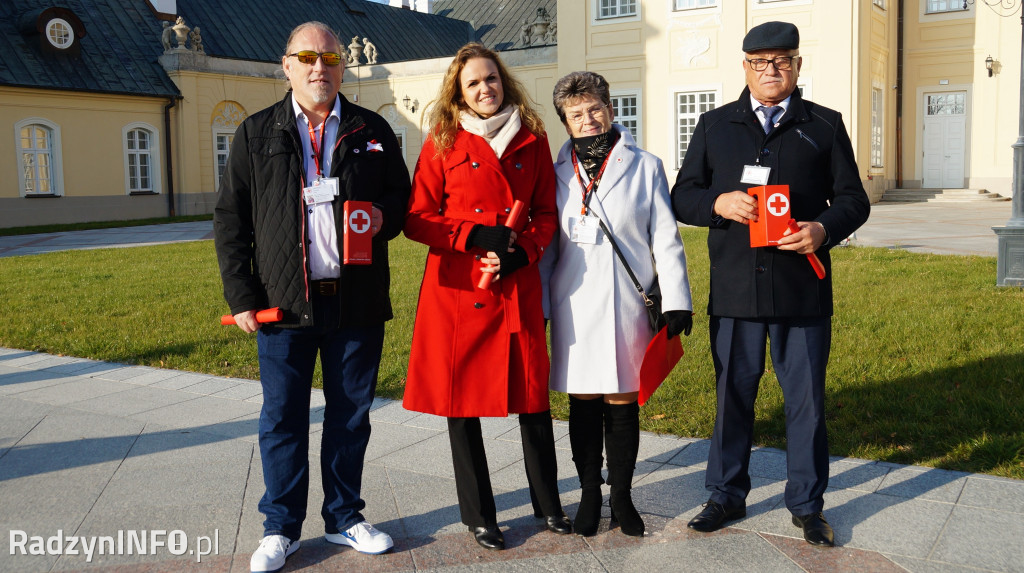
x: 309, y: 57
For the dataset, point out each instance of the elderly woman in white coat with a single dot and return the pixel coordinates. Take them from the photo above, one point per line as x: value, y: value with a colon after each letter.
x: 599, y: 326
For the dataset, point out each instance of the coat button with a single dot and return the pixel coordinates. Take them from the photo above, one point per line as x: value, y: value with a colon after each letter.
x: 508, y: 209
x: 478, y: 305
x: 479, y: 210
x: 766, y: 152
x: 519, y: 165
x: 355, y: 151
x: 478, y: 257
x: 759, y: 268
x: 475, y: 165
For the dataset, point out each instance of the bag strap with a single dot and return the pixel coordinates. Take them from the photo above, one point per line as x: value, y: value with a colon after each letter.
x: 615, y: 246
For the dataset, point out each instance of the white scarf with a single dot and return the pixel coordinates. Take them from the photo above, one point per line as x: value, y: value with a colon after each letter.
x: 498, y: 130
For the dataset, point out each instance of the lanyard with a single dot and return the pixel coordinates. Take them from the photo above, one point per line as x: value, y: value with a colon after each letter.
x: 586, y: 189
x: 316, y: 146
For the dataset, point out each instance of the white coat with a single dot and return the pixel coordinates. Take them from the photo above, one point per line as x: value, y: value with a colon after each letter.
x: 599, y: 327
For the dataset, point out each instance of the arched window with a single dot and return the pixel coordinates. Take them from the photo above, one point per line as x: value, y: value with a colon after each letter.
x: 224, y: 121
x: 141, y: 159
x: 40, y: 171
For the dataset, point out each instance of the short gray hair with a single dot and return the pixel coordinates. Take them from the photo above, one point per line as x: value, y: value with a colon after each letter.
x: 316, y: 26
x: 576, y: 85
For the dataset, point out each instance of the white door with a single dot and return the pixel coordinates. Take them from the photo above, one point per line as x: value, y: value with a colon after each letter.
x: 945, y: 130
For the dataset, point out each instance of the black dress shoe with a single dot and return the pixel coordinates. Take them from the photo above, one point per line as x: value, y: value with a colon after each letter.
x: 489, y: 537
x: 714, y: 516
x: 559, y: 524
x: 817, y: 531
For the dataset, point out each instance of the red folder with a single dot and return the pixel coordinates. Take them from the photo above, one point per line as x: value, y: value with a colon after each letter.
x: 661, y: 357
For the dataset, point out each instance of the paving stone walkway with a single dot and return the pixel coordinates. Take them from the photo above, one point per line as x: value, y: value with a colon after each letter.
x: 130, y: 455
x: 97, y: 450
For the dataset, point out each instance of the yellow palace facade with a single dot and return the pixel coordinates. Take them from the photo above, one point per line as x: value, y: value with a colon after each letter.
x: 929, y: 89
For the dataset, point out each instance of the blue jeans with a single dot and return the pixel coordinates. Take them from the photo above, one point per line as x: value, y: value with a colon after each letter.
x: 349, y: 358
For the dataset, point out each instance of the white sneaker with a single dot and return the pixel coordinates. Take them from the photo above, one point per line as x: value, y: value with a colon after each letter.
x: 272, y: 552
x: 364, y: 538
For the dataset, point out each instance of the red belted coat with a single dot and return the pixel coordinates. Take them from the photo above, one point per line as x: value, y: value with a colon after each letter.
x: 479, y: 352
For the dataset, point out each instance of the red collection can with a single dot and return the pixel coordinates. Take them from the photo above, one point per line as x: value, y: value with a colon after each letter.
x: 358, y: 239
x: 773, y: 215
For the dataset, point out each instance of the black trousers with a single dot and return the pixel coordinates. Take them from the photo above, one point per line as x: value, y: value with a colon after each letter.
x: 473, y: 480
x: 799, y: 351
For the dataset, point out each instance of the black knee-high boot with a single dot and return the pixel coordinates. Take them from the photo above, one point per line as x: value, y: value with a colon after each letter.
x: 586, y: 436
x: 622, y: 440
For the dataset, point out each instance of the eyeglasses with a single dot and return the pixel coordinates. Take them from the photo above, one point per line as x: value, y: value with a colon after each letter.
x: 309, y: 57
x: 781, y: 63
x: 580, y: 116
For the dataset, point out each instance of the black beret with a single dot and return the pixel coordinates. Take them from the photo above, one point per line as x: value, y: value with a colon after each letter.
x: 772, y: 36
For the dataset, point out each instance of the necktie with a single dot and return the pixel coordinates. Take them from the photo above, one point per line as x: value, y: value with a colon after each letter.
x: 769, y: 117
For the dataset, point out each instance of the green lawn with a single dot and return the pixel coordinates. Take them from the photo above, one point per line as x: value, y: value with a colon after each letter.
x: 927, y: 359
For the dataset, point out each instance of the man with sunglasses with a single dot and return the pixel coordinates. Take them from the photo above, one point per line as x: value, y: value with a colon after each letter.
x: 279, y: 230
x: 771, y: 135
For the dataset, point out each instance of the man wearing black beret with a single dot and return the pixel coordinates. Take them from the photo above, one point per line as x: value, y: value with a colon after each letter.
x: 770, y: 136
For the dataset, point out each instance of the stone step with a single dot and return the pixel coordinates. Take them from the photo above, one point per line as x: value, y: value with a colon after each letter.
x: 940, y: 196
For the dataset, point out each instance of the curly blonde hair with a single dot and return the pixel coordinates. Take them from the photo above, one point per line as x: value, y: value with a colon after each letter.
x: 444, y: 116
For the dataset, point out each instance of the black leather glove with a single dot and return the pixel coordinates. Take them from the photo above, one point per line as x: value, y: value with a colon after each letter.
x: 512, y: 262
x: 490, y: 237
x: 679, y: 321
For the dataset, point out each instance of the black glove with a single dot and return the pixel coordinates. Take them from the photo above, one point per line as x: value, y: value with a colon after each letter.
x: 679, y: 321
x: 490, y: 237
x: 512, y: 262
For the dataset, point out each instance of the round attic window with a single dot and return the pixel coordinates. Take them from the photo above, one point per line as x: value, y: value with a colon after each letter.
x: 59, y: 33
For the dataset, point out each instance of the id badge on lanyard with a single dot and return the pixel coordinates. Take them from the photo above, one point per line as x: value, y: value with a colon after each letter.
x: 755, y: 174
x: 323, y: 189
x: 584, y: 229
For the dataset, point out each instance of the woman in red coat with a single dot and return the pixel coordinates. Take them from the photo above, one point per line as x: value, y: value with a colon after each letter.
x: 482, y: 352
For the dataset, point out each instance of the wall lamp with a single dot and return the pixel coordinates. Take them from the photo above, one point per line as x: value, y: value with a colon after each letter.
x: 988, y: 65
x: 412, y: 104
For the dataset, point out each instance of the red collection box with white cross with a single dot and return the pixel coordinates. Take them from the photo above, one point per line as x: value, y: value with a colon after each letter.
x: 773, y: 215
x: 358, y: 237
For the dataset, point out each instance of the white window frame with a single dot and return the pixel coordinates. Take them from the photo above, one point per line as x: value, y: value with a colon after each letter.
x: 217, y: 132
x: 677, y: 8
x: 715, y: 91
x: 957, y: 7
x: 154, y: 158
x: 638, y: 118
x: 61, y: 39
x: 402, y: 134
x: 877, y: 126
x: 770, y: 4
x: 56, y: 158
x: 598, y: 19
x: 804, y: 85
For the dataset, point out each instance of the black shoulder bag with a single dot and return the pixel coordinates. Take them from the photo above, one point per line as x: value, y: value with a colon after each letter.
x: 652, y: 296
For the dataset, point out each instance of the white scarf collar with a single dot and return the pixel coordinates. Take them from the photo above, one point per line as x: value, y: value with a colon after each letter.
x: 498, y: 130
